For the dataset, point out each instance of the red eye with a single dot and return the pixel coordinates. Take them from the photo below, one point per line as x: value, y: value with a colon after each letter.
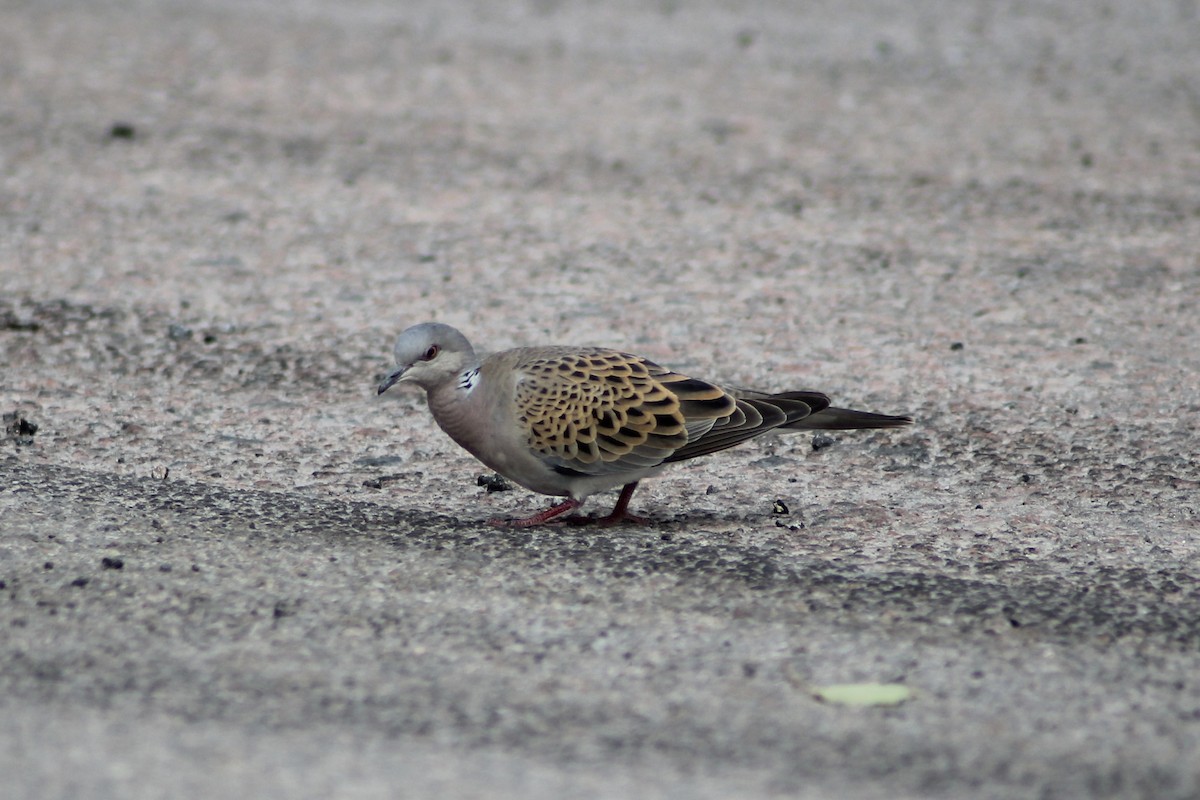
x: 431, y: 353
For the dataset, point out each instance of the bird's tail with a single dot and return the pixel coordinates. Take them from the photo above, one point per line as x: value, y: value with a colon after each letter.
x: 824, y: 417
x: 846, y: 419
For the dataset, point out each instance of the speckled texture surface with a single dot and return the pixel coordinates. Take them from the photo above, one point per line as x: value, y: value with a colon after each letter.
x: 227, y: 566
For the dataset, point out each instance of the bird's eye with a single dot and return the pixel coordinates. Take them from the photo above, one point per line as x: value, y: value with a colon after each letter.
x: 431, y: 353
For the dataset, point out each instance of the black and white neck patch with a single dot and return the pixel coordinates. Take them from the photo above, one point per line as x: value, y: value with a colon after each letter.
x: 468, y: 380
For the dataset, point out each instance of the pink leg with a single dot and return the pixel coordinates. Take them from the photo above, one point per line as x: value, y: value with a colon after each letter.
x: 620, y: 512
x: 570, y: 504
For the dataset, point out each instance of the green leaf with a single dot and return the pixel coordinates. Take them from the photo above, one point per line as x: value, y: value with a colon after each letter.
x: 863, y: 694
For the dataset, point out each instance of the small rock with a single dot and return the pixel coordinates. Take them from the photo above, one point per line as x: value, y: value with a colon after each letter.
x: 19, y: 429
x: 493, y: 483
x: 179, y: 333
x: 823, y: 440
x: 122, y: 130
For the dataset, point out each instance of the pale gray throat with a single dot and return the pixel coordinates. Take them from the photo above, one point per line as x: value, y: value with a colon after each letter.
x: 468, y: 380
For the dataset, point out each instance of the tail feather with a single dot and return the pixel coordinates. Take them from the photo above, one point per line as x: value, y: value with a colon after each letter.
x: 846, y: 419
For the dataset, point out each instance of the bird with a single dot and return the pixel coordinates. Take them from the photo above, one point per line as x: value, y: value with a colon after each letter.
x: 573, y: 421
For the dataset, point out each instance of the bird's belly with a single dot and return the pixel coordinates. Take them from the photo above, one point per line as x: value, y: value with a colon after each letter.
x: 537, y: 475
x: 500, y: 447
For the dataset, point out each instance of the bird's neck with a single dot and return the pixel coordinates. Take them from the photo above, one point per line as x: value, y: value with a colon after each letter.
x: 453, y: 398
x: 456, y: 406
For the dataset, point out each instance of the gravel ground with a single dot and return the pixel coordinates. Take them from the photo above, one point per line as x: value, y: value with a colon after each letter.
x: 228, y: 568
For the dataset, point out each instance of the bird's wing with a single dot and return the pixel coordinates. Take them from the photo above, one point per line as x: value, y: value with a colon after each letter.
x: 600, y: 412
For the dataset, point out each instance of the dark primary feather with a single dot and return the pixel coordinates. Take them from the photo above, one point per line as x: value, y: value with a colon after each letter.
x: 751, y: 418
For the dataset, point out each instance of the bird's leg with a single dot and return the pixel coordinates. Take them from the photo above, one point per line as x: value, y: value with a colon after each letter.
x: 620, y: 512
x: 570, y: 504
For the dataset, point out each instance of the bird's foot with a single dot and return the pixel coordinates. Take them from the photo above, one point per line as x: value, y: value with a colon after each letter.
x: 538, y: 518
x: 620, y: 512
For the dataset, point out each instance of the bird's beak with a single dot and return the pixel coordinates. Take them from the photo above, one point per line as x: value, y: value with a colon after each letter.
x: 392, y: 379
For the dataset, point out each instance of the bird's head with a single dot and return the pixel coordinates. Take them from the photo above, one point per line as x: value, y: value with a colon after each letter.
x: 428, y: 355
